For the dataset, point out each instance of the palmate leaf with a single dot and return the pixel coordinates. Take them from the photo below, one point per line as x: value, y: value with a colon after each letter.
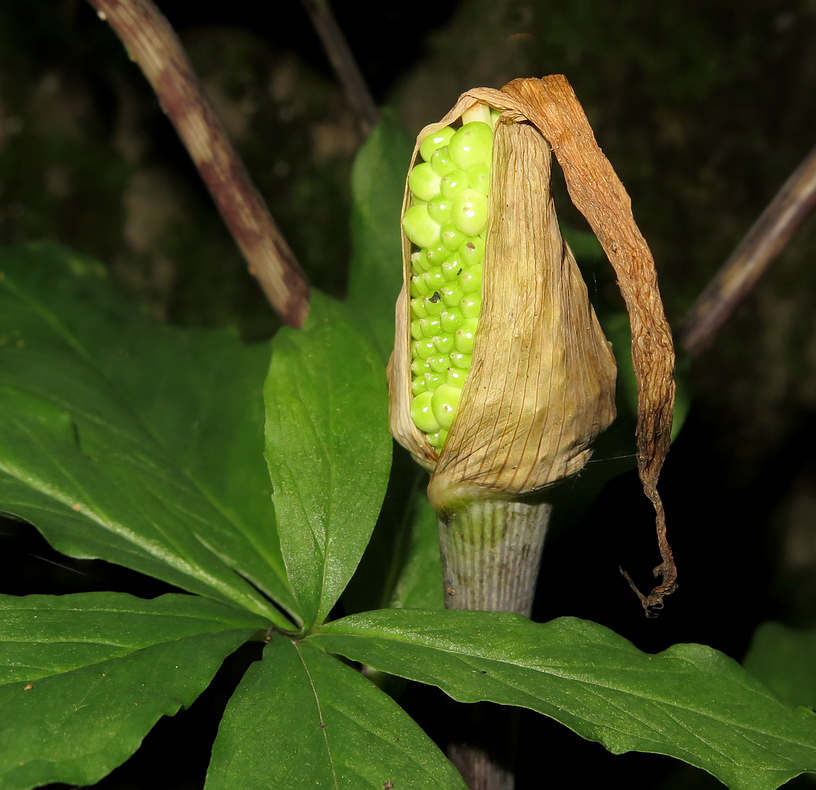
x: 131, y: 441
x: 302, y: 719
x: 688, y: 702
x: 328, y: 451
x: 84, y: 677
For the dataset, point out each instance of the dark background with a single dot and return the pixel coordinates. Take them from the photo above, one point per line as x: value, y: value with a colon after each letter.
x: 704, y: 109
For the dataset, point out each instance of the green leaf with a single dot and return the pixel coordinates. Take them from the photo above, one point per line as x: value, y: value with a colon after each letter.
x: 785, y: 660
x: 377, y: 185
x: 43, y: 635
x: 131, y: 441
x: 328, y: 451
x: 302, y: 719
x: 689, y: 701
x: 420, y: 583
x: 584, y: 244
x: 96, y: 671
x: 401, y: 565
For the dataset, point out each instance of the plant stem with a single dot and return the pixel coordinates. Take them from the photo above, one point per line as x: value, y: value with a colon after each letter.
x: 768, y: 236
x: 491, y: 552
x: 344, y: 63
x: 483, y: 745
x: 152, y: 43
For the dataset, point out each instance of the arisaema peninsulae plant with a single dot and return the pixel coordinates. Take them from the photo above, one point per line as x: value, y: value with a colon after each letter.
x: 501, y: 377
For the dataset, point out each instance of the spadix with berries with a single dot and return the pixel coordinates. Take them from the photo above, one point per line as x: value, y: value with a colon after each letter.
x: 501, y: 376
x: 437, y: 223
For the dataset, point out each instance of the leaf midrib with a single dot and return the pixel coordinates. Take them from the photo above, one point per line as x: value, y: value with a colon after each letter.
x: 597, y: 688
x: 73, y: 342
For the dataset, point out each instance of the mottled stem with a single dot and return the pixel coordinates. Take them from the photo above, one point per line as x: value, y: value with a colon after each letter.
x: 491, y: 553
x: 152, y: 44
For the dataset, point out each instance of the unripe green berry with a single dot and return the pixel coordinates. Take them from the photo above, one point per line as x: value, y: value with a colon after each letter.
x: 433, y: 304
x: 471, y: 280
x: 418, y: 386
x: 424, y: 348
x: 434, y: 255
x: 463, y: 339
x: 419, y: 287
x: 419, y: 367
x: 433, y: 380
x: 441, y: 162
x: 451, y: 236
x: 469, y: 213
x: 479, y: 179
x: 452, y: 267
x: 451, y: 319
x: 444, y: 402
x: 423, y: 182
x: 439, y: 209
x: 472, y: 251
x: 416, y: 331
x: 418, y: 309
x: 419, y: 227
x: 460, y: 360
x: 471, y: 145
x: 444, y: 345
x: 422, y: 413
x: 455, y: 377
x: 471, y: 305
x: 451, y: 294
x: 470, y: 324
x: 429, y: 326
x: 434, y: 279
x: 439, y: 362
x: 453, y: 183
x: 433, y: 142
x: 437, y: 439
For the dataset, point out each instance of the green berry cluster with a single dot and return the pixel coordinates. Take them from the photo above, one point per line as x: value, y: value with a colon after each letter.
x: 446, y: 221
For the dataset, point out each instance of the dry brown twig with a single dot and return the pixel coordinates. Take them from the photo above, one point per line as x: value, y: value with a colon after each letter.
x: 344, y: 63
x: 152, y: 44
x: 768, y: 236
